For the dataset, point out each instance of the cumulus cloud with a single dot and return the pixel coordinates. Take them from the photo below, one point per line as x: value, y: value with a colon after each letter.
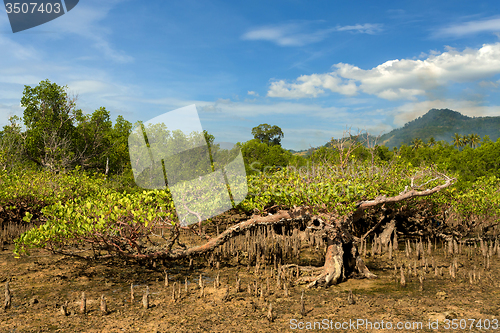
x: 469, y: 28
x: 296, y: 35
x: 312, y: 86
x: 404, y: 79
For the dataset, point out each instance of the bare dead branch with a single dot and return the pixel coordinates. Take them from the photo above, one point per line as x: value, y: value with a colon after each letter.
x: 403, y: 196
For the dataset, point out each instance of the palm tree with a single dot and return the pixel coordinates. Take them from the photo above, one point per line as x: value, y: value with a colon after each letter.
x: 474, y: 140
x: 431, y: 141
x: 465, y: 140
x: 457, y: 140
x: 417, y: 143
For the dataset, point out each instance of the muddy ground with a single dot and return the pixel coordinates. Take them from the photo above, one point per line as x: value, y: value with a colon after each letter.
x: 41, y: 283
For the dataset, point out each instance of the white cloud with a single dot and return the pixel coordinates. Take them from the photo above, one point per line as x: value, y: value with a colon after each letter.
x: 367, y: 28
x: 253, y: 93
x: 294, y: 34
x: 469, y: 28
x: 312, y: 86
x: 397, y: 79
x: 488, y: 84
x: 282, y: 89
x: 400, y: 93
x: 286, y: 35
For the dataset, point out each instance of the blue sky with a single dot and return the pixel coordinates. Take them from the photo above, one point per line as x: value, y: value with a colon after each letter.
x: 314, y: 68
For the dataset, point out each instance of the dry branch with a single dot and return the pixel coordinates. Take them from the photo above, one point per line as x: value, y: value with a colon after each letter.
x: 361, y: 206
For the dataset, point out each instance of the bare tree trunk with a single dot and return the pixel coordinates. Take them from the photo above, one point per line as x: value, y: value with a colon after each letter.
x: 342, y: 259
x: 334, y: 269
x: 385, y: 236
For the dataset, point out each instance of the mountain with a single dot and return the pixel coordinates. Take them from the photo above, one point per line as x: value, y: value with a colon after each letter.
x: 441, y: 124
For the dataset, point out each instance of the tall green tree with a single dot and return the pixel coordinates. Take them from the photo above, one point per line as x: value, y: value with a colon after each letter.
x: 270, y: 135
x: 48, y: 116
x: 93, y: 140
x: 59, y: 136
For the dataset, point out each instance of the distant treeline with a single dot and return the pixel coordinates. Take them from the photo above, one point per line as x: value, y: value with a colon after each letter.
x: 55, y: 135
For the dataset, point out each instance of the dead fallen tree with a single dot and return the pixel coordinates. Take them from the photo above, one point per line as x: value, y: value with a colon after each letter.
x: 342, y: 257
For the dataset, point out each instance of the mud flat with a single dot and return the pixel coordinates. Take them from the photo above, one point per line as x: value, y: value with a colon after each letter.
x: 439, y: 285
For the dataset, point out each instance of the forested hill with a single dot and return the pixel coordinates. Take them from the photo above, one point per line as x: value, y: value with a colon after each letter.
x: 442, y: 124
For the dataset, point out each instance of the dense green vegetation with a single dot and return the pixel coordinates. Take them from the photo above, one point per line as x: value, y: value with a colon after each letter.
x: 78, y: 168
x: 58, y: 136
